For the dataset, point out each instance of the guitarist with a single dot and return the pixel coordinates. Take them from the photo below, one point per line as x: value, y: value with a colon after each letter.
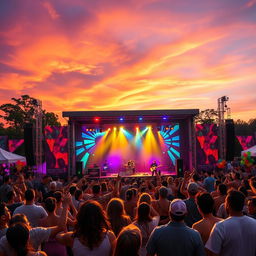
x: 153, y: 168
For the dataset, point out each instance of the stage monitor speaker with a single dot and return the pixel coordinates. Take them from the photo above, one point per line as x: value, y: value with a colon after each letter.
x: 94, y: 172
x: 179, y: 167
x: 79, y: 169
x: 230, y: 140
x: 28, y: 143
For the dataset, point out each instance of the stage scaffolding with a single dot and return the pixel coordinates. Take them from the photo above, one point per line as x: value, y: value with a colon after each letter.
x: 39, y: 137
x: 222, y: 108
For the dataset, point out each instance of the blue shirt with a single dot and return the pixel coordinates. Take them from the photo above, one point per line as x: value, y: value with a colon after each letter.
x: 176, y: 239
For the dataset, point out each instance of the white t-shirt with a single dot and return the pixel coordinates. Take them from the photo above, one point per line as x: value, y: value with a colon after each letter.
x: 37, y: 236
x: 33, y: 212
x: 222, y: 213
x: 234, y: 236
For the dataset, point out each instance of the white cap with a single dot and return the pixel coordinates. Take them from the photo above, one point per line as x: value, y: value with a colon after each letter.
x: 178, y: 207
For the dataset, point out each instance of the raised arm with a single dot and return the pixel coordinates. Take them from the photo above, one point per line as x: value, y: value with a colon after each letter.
x: 62, y: 221
x: 183, y: 189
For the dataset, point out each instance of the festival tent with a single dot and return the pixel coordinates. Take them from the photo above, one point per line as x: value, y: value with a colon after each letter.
x: 8, y: 157
x: 252, y: 150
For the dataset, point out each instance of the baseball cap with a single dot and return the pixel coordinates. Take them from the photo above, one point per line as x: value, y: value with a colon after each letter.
x: 192, y: 187
x: 178, y: 207
x: 53, y: 184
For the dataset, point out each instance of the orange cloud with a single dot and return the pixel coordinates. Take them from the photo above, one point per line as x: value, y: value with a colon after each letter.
x: 80, y: 55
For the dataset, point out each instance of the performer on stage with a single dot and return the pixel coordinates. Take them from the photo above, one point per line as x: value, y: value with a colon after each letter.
x: 105, y: 166
x: 153, y: 168
x: 131, y: 166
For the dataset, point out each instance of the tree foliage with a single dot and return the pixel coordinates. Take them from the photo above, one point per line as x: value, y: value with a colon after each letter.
x: 207, y: 116
x: 243, y: 128
x: 23, y: 110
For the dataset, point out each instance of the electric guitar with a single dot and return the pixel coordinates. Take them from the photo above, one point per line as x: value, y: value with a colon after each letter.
x: 154, y: 168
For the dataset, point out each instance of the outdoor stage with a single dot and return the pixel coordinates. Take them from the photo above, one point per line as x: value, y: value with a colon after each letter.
x: 126, y: 141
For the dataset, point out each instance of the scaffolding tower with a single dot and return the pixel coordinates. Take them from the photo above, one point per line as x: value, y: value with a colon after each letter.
x: 39, y: 137
x: 222, y: 108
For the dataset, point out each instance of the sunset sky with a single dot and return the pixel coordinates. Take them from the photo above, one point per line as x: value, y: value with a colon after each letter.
x: 129, y: 54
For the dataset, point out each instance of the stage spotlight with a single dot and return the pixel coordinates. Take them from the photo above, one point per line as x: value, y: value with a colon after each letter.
x: 164, y: 118
x: 87, y: 130
x: 121, y: 119
x: 140, y: 118
x: 166, y: 128
x: 114, y: 128
x: 121, y: 128
x: 96, y: 119
x: 137, y: 128
x: 109, y: 129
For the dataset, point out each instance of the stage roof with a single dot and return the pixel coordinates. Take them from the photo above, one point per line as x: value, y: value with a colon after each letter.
x: 130, y: 115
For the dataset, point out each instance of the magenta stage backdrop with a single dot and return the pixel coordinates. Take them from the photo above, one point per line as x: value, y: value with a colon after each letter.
x: 245, y: 141
x: 15, y: 144
x: 206, y: 144
x: 56, y: 149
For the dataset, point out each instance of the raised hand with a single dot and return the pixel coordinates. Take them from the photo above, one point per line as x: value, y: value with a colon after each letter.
x: 67, y: 199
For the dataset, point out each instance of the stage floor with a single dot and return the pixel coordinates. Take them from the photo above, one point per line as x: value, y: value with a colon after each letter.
x: 136, y: 175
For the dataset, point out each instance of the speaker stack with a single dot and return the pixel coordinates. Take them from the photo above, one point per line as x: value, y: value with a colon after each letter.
x: 230, y: 139
x: 179, y: 167
x: 28, y: 143
x: 79, y: 169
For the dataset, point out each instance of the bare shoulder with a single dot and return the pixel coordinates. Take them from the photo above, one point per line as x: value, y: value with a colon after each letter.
x: 66, y: 238
x: 154, y: 203
x: 217, y: 219
x: 39, y: 253
x: 111, y: 235
x: 198, y: 225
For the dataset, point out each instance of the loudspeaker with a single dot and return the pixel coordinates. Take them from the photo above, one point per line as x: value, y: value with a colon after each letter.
x: 179, y: 167
x: 230, y: 140
x: 79, y: 169
x: 94, y: 172
x: 28, y: 143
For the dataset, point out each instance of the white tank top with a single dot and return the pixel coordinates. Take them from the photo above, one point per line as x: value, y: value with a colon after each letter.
x: 103, y: 249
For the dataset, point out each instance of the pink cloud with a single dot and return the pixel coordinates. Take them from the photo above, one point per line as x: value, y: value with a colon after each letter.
x: 100, y: 55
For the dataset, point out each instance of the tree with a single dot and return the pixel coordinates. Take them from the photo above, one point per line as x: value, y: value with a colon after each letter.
x: 2, y: 130
x: 242, y: 128
x: 207, y: 116
x: 22, y: 111
x: 252, y: 126
x: 49, y: 118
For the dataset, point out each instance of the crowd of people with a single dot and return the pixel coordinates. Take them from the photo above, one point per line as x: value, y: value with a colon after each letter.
x: 207, y: 213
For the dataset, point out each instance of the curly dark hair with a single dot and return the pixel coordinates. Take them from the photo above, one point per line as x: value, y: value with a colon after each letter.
x: 91, y: 223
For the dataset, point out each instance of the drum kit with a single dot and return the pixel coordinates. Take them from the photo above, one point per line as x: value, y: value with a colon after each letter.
x: 130, y: 167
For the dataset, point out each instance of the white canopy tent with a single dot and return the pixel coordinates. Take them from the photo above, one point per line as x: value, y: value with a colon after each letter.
x: 8, y: 157
x: 252, y: 150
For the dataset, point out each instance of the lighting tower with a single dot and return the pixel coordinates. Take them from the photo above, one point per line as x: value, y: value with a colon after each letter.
x: 39, y: 136
x: 222, y: 108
